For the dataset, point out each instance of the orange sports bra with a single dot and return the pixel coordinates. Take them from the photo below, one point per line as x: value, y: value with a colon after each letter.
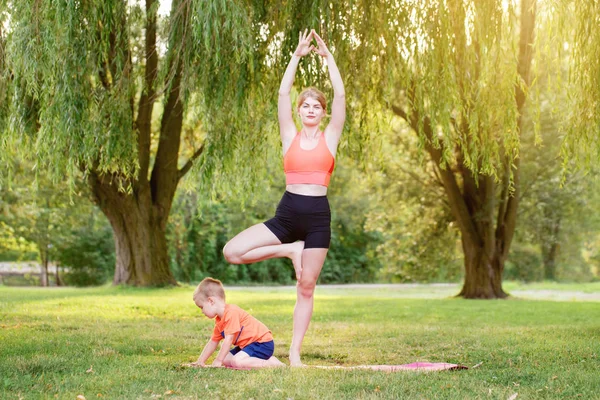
x: 313, y: 166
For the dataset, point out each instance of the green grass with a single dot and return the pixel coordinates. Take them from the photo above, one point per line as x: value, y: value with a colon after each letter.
x: 122, y: 343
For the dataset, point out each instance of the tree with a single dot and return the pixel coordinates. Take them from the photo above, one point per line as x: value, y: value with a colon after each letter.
x: 469, y: 182
x: 458, y: 73
x: 88, y: 79
x: 41, y: 213
x: 560, y: 209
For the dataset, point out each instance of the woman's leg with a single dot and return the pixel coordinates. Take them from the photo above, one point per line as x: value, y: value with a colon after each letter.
x: 258, y: 243
x: 312, y: 263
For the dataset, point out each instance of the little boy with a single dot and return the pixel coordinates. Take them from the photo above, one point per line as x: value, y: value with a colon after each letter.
x: 253, y: 341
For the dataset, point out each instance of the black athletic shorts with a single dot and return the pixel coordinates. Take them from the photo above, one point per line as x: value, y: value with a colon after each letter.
x: 300, y: 217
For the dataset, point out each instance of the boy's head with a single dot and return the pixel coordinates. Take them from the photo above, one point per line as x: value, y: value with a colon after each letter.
x: 209, y: 295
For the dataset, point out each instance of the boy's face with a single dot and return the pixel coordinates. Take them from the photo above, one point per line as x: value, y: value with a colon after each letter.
x: 208, y: 306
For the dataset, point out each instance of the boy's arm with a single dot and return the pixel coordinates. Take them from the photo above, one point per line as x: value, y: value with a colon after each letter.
x: 210, y: 348
x: 225, y: 346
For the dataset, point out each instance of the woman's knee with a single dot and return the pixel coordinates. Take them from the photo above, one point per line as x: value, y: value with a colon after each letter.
x: 306, y: 287
x: 231, y: 254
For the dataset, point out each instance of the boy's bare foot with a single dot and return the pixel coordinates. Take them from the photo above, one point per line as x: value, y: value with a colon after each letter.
x: 296, y: 257
x: 274, y: 362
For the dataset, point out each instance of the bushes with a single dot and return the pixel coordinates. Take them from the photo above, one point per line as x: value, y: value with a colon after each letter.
x: 351, y: 256
x: 524, y: 264
x: 88, y: 256
x: 198, y: 231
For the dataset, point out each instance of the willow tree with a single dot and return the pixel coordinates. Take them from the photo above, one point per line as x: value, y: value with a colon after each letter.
x: 465, y: 99
x: 128, y: 99
x: 458, y: 73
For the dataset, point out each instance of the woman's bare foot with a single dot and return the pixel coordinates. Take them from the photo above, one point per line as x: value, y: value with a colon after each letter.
x: 295, y: 359
x: 296, y: 258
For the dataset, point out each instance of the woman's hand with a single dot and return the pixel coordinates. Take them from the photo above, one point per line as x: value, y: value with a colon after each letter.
x: 322, y: 49
x: 217, y: 364
x: 304, y: 46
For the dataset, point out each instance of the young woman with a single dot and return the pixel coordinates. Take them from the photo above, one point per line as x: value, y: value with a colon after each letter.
x: 300, y: 229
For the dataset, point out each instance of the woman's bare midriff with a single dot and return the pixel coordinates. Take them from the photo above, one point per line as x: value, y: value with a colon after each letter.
x: 307, y: 189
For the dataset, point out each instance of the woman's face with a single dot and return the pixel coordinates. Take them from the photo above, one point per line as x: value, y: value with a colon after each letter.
x: 311, y: 112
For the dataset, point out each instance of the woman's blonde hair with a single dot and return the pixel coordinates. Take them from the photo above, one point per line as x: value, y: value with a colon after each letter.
x: 209, y: 287
x: 313, y: 93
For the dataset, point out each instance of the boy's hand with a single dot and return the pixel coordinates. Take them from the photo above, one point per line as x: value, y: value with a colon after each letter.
x: 195, y: 364
x: 217, y: 363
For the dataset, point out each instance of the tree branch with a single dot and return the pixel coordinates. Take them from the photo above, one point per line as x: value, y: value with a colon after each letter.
x: 148, y: 96
x: 184, y: 170
x: 457, y: 203
x: 507, y: 222
x: 103, y: 65
x: 165, y: 174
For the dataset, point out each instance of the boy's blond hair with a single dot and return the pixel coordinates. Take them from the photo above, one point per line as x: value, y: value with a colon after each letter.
x: 209, y: 287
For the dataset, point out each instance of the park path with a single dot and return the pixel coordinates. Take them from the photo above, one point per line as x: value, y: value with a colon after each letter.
x: 433, y: 291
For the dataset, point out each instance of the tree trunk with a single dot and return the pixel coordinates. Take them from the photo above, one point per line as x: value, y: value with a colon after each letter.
x: 44, y: 267
x: 549, y: 256
x: 58, y: 280
x: 482, y: 243
x: 139, y: 228
x: 141, y: 249
x: 483, y: 274
x: 550, y: 248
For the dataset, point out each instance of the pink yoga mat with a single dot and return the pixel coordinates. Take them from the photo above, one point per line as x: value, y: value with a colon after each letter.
x: 416, y: 366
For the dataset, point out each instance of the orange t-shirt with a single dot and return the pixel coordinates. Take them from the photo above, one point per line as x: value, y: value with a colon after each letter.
x: 245, y: 328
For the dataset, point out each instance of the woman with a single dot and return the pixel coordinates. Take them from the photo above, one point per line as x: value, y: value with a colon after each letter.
x: 300, y: 229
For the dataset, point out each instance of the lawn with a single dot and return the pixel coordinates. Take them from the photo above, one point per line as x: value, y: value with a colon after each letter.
x: 123, y: 343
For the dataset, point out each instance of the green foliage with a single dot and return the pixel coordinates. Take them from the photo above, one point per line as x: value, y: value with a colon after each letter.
x: 39, y: 211
x: 88, y: 255
x: 559, y: 210
x: 580, y: 41
x: 14, y: 248
x: 44, y: 216
x: 71, y: 75
x: 524, y: 264
x: 419, y: 241
x: 61, y: 110
x: 199, y: 229
x: 351, y: 257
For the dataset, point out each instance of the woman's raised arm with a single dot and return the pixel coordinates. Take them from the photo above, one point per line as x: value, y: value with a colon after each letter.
x: 338, y: 107
x: 287, y: 127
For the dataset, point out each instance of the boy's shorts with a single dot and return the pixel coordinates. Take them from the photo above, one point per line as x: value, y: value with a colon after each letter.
x: 263, y: 351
